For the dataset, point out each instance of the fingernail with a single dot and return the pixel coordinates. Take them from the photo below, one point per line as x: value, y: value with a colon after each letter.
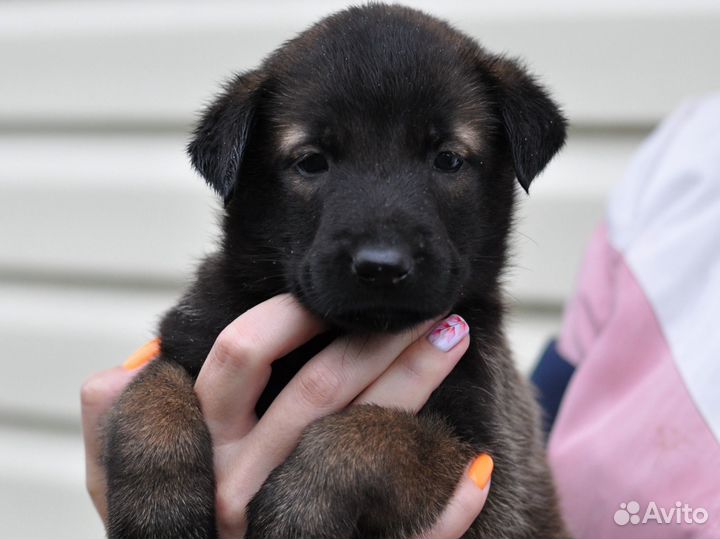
x: 448, y: 332
x: 481, y: 470
x: 142, y: 355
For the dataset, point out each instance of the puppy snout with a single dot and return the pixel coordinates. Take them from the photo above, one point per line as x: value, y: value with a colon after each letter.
x: 378, y: 265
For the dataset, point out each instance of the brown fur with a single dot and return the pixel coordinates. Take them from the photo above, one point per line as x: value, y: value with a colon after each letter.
x: 165, y: 448
x: 402, y: 467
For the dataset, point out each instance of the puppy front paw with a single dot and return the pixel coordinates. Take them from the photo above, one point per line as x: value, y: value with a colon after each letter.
x: 365, y: 472
x: 158, y: 460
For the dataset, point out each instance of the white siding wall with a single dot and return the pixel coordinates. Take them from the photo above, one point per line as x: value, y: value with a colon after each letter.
x: 101, y: 218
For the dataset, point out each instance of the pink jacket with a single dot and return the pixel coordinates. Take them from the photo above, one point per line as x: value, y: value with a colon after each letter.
x: 636, y: 445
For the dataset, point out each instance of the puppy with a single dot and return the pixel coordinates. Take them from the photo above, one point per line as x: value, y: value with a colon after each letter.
x: 368, y: 166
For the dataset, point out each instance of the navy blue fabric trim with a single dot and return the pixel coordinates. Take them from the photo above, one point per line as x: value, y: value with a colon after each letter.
x: 551, y: 377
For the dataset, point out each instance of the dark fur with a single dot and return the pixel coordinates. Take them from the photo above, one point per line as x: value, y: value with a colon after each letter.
x: 381, y: 90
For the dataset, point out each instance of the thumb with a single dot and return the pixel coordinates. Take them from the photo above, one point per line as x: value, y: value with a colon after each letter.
x: 467, y: 502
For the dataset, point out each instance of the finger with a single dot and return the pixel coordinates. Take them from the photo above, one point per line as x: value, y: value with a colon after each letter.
x: 331, y: 380
x: 421, y: 367
x: 327, y: 383
x: 467, y: 502
x: 97, y: 396
x: 239, y: 364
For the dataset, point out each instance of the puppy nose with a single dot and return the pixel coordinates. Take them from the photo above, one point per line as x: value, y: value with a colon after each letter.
x: 381, y: 266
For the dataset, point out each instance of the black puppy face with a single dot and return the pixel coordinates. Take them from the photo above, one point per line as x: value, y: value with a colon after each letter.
x: 376, y: 153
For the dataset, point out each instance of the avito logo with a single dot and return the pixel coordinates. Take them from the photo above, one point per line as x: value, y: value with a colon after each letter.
x: 680, y: 513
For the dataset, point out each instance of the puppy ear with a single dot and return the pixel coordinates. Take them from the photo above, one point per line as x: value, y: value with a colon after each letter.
x: 533, y: 123
x: 220, y: 138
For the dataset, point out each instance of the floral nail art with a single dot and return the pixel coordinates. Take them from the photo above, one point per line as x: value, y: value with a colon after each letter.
x: 448, y: 332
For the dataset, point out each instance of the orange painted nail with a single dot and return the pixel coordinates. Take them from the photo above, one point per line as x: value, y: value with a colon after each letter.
x: 481, y: 469
x: 142, y: 355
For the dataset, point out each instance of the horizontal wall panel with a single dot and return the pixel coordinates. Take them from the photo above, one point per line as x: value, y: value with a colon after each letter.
x: 53, y: 337
x: 42, y: 486
x: 158, y: 62
x: 111, y: 206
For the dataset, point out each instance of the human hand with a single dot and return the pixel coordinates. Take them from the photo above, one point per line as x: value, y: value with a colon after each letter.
x: 389, y: 370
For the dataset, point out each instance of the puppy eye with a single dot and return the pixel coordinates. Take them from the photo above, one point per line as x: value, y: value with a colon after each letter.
x: 448, y: 162
x: 312, y: 164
